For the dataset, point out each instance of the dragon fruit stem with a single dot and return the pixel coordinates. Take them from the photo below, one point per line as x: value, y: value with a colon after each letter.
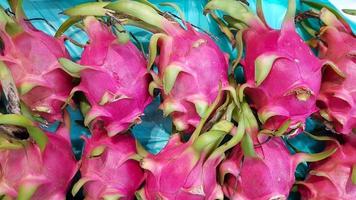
x: 236, y: 10
x: 259, y: 11
x: 16, y: 7
x: 304, y: 157
x: 237, y: 133
x: 353, y: 174
x: 77, y: 13
x: 4, y: 18
x: 214, y: 135
x: 176, y: 8
x: 291, y: 9
x: 12, y: 28
x: 315, y: 4
x: 141, y: 11
x: 88, y: 9
x: 207, y: 114
x: 247, y: 125
x: 66, y: 24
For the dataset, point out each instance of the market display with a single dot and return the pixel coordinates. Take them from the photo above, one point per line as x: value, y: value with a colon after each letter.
x: 231, y: 139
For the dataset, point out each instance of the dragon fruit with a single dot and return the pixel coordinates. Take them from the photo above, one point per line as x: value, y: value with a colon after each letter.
x: 108, y: 168
x: 190, y: 65
x: 114, y: 78
x: 27, y: 172
x: 179, y: 52
x: 271, y: 163
x: 333, y: 178
x: 282, y: 74
x: 274, y: 167
x: 189, y: 170
x: 337, y: 99
x: 32, y: 57
x: 184, y: 170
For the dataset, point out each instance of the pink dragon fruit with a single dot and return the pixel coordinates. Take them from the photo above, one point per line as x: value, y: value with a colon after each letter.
x: 27, y: 172
x: 283, y: 76
x: 108, y: 168
x: 114, y: 78
x: 184, y: 170
x: 269, y: 174
x: 333, y: 178
x: 337, y: 99
x: 188, y: 170
x: 190, y: 65
x: 32, y: 57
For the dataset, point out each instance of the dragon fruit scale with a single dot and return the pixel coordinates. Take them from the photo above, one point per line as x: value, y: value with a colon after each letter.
x: 108, y: 168
x: 113, y: 77
x: 332, y: 178
x: 190, y: 65
x: 28, y: 172
x: 32, y: 57
x: 337, y: 99
x: 282, y: 74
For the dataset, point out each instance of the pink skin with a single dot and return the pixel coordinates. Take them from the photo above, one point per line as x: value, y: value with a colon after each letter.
x: 297, y: 68
x: 350, y: 139
x: 32, y: 57
x: 51, y: 170
x: 113, y: 172
x: 118, y: 70
x: 268, y: 176
x: 338, y: 95
x: 330, y: 179
x: 179, y: 172
x: 203, y: 65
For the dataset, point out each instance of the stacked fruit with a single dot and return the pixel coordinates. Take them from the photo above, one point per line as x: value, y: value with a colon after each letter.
x: 230, y: 139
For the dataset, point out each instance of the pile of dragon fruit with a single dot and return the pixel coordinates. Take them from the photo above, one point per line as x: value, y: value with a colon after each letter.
x: 230, y: 136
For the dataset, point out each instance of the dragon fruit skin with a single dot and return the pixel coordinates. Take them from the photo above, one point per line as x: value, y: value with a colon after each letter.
x: 331, y: 178
x: 202, y: 65
x: 350, y: 139
x: 114, y: 79
x: 112, y: 172
x: 32, y: 57
x: 282, y: 74
x: 296, y: 67
x: 39, y: 172
x: 337, y: 99
x: 180, y: 172
x: 274, y: 167
x: 190, y: 65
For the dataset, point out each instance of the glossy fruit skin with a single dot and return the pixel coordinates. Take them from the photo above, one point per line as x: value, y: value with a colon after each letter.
x: 180, y: 172
x: 289, y: 91
x: 337, y: 99
x: 108, y: 167
x: 331, y: 178
x: 114, y: 79
x: 32, y: 57
x: 202, y: 67
x: 274, y: 168
x: 39, y: 172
